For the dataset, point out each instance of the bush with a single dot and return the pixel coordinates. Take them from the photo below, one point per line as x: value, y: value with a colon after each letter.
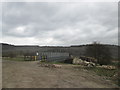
x: 69, y: 61
x: 100, y: 52
x: 12, y: 55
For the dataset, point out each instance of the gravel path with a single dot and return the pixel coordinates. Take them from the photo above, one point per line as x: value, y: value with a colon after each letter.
x: 30, y: 75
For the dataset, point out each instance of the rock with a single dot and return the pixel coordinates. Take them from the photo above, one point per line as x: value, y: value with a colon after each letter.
x: 77, y: 61
x: 88, y: 59
x: 56, y: 66
x: 50, y: 65
x: 108, y: 67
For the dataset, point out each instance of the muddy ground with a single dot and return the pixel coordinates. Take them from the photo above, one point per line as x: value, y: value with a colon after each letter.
x: 29, y: 74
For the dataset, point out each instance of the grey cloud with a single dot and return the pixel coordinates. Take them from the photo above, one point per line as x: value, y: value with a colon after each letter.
x: 65, y: 23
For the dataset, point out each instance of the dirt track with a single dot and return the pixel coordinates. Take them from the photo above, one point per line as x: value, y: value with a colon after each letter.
x: 30, y: 75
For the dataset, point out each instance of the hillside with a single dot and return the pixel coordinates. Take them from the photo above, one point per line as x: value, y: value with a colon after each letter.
x: 76, y: 50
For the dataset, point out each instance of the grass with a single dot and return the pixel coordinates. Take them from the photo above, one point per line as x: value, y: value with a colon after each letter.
x: 54, y: 62
x: 102, y: 71
x: 107, y: 73
x: 115, y: 63
x: 14, y: 59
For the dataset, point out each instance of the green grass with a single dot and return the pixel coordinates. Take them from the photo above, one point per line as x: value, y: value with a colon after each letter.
x: 115, y: 63
x: 102, y: 71
x: 54, y: 62
x: 109, y: 74
x: 14, y: 59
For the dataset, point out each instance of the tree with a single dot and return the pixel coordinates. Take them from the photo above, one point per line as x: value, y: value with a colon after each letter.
x: 100, y: 52
x: 12, y: 54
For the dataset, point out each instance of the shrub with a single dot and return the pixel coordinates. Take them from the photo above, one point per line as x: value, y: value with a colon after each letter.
x: 11, y: 55
x: 100, y: 52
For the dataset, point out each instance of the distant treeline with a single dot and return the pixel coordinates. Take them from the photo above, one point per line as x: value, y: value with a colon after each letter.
x: 76, y: 50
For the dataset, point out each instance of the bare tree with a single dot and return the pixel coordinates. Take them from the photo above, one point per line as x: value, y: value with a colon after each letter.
x: 100, y: 52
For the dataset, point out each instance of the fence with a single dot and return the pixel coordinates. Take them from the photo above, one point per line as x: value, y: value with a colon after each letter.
x: 53, y: 56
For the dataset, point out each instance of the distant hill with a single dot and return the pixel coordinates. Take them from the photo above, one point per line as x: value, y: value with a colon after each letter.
x: 76, y: 50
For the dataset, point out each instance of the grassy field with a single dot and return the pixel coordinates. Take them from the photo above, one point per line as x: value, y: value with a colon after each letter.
x: 107, y: 73
x: 14, y: 59
x: 102, y: 71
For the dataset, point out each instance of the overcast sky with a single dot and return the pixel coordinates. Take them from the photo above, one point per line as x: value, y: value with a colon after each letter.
x: 30, y: 23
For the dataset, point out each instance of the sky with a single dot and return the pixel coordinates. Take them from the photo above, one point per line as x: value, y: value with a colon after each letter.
x: 59, y: 23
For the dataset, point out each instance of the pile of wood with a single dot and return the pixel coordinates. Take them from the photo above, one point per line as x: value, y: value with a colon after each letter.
x: 88, y: 59
x: 83, y: 62
x: 50, y: 65
x: 107, y: 67
x: 56, y: 66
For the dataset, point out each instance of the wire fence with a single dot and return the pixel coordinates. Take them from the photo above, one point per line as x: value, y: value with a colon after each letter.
x: 53, y: 56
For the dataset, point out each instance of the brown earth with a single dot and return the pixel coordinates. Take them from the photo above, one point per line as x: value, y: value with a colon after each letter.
x: 30, y: 74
